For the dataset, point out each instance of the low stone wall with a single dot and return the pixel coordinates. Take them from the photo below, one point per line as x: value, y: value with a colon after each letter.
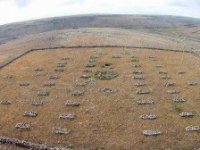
x: 25, y: 144
x: 10, y: 60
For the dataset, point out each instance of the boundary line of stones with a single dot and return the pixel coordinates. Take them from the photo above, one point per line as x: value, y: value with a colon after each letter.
x: 26, y: 144
x: 11, y: 60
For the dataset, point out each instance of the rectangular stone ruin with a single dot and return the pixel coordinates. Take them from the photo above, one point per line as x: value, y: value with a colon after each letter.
x: 54, y: 77
x: 181, y: 72
x: 5, y: 102
x: 78, y: 93
x: 37, y: 103
x: 39, y: 69
x: 82, y: 83
x: 60, y: 65
x: 151, y: 132
x: 30, y: 114
x: 49, y: 84
x: 153, y: 58
x: 140, y: 84
x: 116, y: 56
x: 72, y: 103
x: 136, y: 65
x: 59, y: 70
x: 85, y: 76
x: 91, y: 65
x: 158, y: 66
x: 94, y: 57
x: 92, y: 61
x: 65, y: 58
x: 186, y: 114
x: 148, y: 117
x: 63, y: 62
x: 134, y: 60
x: 145, y: 102
x: 9, y: 77
x: 192, y: 128
x: 138, y: 77
x: 192, y: 83
x: 61, y: 131
x: 143, y: 91
x: 163, y: 72
x: 87, y: 71
x: 137, y: 72
x: 24, y: 84
x: 108, y: 90
x: 134, y: 57
x: 165, y: 77
x: 43, y: 93
x: 173, y: 92
x: 24, y: 126
x: 67, y: 116
x: 150, y: 57
x: 179, y: 100
x: 168, y: 84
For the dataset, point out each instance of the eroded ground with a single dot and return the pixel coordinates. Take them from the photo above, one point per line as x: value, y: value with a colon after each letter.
x: 103, y: 120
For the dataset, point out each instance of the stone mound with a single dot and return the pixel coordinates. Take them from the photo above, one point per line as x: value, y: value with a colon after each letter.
x: 179, y: 100
x: 43, y: 93
x: 145, y: 102
x: 192, y: 83
x: 148, y: 117
x: 168, y: 84
x: 67, y: 116
x: 143, y: 91
x: 72, y: 103
x: 24, y: 126
x: 108, y: 90
x: 186, y: 114
x: 78, y: 93
x: 61, y: 131
x: 192, y: 129
x: 173, y: 92
x: 37, y: 103
x: 152, y: 132
x: 5, y: 102
x: 30, y: 114
x: 54, y: 77
x: 24, y: 84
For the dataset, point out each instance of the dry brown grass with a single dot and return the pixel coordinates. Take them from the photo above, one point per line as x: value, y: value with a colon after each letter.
x: 102, y: 121
x: 88, y: 37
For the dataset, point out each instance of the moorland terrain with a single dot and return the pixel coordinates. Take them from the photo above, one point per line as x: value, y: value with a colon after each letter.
x: 100, y: 82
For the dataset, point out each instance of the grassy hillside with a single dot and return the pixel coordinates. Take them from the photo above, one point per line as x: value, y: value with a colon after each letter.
x: 154, y: 24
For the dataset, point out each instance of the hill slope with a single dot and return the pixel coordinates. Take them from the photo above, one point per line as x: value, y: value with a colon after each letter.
x: 156, y: 24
